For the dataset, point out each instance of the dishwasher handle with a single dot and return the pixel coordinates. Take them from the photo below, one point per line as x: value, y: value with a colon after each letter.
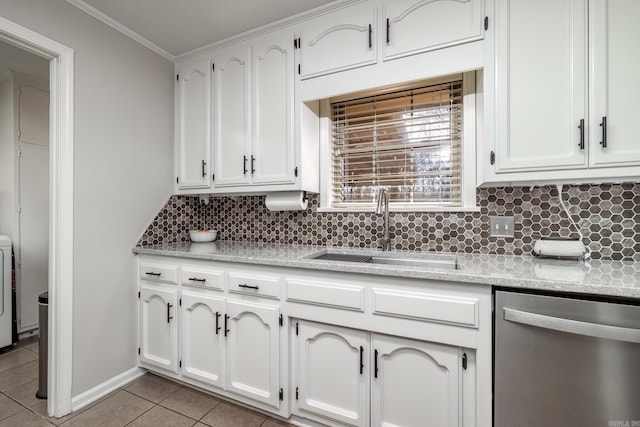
x: 617, y: 333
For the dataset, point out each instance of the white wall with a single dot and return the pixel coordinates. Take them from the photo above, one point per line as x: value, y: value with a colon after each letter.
x: 123, y: 175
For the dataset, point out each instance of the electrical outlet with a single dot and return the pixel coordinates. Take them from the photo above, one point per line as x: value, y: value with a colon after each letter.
x: 501, y: 226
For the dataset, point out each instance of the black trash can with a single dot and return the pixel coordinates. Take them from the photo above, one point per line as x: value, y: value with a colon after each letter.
x: 43, y: 344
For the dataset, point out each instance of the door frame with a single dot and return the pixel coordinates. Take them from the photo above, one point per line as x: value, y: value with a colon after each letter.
x: 61, y: 139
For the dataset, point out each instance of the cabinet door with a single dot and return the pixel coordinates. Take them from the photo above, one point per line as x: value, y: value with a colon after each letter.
x: 339, y: 41
x: 202, y: 338
x: 615, y: 63
x: 231, y: 94
x: 415, y: 383
x: 253, y: 356
x: 331, y: 375
x: 31, y: 249
x: 158, y: 326
x: 193, y: 125
x: 33, y: 115
x: 418, y: 26
x: 541, y: 84
x: 272, y: 154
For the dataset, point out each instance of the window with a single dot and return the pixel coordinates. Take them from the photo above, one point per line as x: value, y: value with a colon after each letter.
x: 409, y: 140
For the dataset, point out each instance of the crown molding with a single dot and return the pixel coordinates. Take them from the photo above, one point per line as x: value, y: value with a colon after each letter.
x: 121, y: 28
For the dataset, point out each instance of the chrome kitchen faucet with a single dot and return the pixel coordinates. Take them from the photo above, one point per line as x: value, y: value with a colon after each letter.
x: 383, y: 209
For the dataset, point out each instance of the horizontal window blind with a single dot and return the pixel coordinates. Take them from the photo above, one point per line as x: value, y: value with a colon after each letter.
x: 408, y: 141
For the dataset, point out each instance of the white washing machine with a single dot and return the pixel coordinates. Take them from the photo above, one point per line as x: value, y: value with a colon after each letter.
x: 6, y: 317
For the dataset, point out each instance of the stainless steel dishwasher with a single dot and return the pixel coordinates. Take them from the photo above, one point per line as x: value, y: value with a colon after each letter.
x: 562, y: 361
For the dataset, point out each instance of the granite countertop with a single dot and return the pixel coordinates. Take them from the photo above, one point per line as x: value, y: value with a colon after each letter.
x: 597, y: 277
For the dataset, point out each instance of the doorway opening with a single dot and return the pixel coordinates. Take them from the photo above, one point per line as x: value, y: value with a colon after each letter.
x: 24, y: 176
x: 59, y: 207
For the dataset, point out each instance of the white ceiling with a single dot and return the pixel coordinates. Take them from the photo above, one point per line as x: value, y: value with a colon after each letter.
x: 179, y: 26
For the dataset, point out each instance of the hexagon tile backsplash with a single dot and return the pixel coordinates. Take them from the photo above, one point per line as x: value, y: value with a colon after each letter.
x: 608, y: 216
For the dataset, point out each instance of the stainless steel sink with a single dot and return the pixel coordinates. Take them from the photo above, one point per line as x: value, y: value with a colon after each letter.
x: 424, y: 261
x: 448, y: 263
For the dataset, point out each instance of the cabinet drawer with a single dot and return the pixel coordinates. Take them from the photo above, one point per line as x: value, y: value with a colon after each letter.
x: 321, y: 293
x: 159, y: 272
x: 266, y: 286
x: 429, y: 307
x: 193, y: 276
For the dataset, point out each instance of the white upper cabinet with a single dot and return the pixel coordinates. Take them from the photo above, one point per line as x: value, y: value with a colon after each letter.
x: 417, y: 26
x: 253, y: 98
x: 541, y: 84
x: 231, y: 100
x: 193, y: 126
x: 560, y: 105
x: 272, y: 150
x: 339, y: 41
x: 615, y: 63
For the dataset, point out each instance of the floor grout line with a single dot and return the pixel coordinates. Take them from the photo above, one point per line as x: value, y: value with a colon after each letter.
x: 71, y: 416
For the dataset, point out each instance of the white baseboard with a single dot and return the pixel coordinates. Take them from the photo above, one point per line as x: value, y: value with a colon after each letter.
x: 89, y: 396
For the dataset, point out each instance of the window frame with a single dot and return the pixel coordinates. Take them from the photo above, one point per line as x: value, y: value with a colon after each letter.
x: 472, y: 114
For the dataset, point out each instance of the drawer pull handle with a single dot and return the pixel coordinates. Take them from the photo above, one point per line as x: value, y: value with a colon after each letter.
x: 217, y: 320
x: 195, y: 279
x: 151, y: 273
x: 249, y: 287
x: 169, y: 317
x: 361, y: 360
x: 226, y: 330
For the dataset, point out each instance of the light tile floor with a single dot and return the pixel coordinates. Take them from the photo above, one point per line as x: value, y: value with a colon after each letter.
x: 148, y: 401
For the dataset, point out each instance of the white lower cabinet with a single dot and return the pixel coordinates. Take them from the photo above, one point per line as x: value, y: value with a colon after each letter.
x: 202, y: 348
x: 253, y: 355
x: 226, y: 345
x: 357, y: 378
x: 408, y: 353
x: 231, y: 345
x: 331, y: 376
x: 158, y: 326
x: 415, y: 383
